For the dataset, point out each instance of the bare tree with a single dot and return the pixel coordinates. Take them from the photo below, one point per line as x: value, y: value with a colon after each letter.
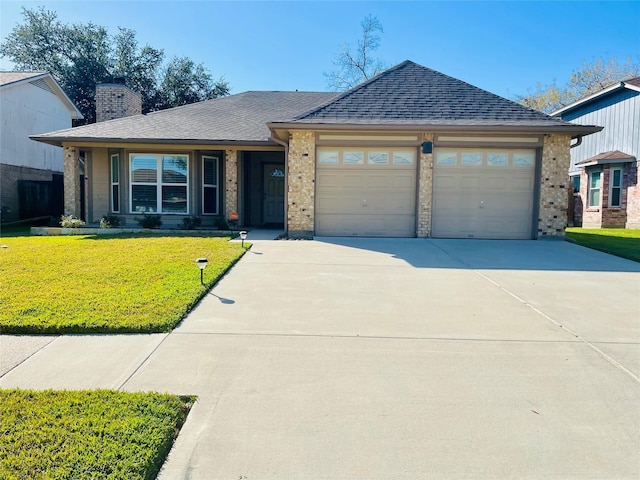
x: 586, y: 80
x: 352, y: 68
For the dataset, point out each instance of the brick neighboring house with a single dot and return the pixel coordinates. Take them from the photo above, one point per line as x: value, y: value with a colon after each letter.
x: 604, y: 167
x: 410, y: 152
x: 31, y: 173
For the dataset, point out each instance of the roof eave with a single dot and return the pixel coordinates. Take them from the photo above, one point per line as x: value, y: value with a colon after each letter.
x: 575, y: 130
x: 59, y: 141
x: 582, y: 101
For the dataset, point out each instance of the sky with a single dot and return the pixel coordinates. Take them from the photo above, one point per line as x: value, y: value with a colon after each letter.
x: 504, y: 47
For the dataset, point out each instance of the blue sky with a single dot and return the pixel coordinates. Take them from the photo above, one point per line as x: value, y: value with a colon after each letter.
x: 503, y: 47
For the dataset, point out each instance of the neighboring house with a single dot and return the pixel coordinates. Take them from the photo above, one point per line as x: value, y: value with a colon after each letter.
x: 410, y: 152
x: 604, y: 167
x: 31, y: 173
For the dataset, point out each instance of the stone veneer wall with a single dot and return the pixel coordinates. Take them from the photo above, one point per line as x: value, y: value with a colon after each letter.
x: 115, y: 100
x: 554, y: 181
x: 231, y: 182
x: 632, y: 192
x: 301, y: 182
x: 425, y: 189
x: 72, y: 181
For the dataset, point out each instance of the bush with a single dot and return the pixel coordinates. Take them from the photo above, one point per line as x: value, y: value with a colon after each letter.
x: 109, y: 221
x: 221, y: 224
x: 70, y: 221
x: 150, y: 221
x: 190, y: 223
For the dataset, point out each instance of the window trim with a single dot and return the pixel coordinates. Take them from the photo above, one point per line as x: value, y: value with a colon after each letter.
x: 159, y: 184
x: 115, y: 157
x: 217, y: 185
x: 591, y: 189
x: 612, y: 187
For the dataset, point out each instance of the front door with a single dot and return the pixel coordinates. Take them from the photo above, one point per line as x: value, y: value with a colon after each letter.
x: 273, y: 197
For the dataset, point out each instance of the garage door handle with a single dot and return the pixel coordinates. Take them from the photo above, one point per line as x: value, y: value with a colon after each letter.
x: 364, y: 203
x: 481, y: 204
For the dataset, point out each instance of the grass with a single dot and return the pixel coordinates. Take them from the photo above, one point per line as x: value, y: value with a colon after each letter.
x: 96, y: 434
x: 106, y: 284
x: 616, y: 241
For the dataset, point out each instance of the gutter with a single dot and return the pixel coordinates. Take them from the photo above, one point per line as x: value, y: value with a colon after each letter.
x: 286, y: 182
x: 578, y: 141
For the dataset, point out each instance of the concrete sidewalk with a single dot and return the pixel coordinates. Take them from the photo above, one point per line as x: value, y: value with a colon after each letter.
x: 380, y: 358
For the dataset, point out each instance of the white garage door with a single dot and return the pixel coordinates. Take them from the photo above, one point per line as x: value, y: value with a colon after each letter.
x: 369, y: 192
x: 483, y: 193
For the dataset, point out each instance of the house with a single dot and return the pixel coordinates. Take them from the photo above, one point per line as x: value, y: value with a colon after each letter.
x: 604, y: 167
x: 410, y: 152
x: 31, y: 173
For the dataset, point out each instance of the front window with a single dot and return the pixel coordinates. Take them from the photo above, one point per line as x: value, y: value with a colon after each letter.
x: 576, y: 184
x: 159, y: 183
x: 615, y: 187
x: 115, y: 183
x: 595, y: 179
x: 210, y: 204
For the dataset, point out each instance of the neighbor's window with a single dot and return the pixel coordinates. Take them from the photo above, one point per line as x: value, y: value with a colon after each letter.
x: 595, y: 179
x: 615, y: 187
x: 576, y: 183
x: 115, y: 183
x: 159, y: 183
x: 210, y: 185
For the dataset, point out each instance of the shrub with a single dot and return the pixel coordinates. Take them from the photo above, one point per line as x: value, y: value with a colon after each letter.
x: 221, y: 224
x: 109, y: 221
x: 150, y: 221
x: 70, y: 221
x: 190, y: 223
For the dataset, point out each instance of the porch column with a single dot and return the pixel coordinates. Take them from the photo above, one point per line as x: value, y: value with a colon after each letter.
x: 301, y: 184
x: 231, y: 182
x: 554, y: 181
x: 72, y: 181
x: 425, y: 189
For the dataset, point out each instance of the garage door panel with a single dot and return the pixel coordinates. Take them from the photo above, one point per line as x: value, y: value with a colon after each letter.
x: 483, y: 200
x: 365, y: 200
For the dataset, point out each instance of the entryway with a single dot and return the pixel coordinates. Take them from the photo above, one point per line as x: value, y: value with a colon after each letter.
x: 263, y: 180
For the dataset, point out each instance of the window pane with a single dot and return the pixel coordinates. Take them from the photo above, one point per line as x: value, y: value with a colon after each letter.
x: 471, y: 159
x: 378, y: 158
x: 615, y: 197
x: 174, y: 199
x: 617, y: 177
x: 595, y: 180
x: 403, y: 158
x: 115, y: 174
x: 353, y: 158
x: 143, y: 198
x: 576, y: 184
x: 115, y: 198
x: 524, y: 159
x: 210, y: 203
x: 594, y: 198
x: 497, y: 159
x: 328, y: 158
x: 210, y: 171
x: 174, y: 169
x: 143, y: 169
x: 446, y: 158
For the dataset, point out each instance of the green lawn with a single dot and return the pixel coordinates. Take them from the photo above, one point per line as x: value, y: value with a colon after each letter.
x: 616, y: 241
x: 99, y: 434
x: 106, y: 284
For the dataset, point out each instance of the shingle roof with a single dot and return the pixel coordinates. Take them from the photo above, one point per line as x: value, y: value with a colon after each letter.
x: 238, y: 118
x: 12, y: 77
x: 633, y: 81
x: 412, y: 94
x: 608, y: 157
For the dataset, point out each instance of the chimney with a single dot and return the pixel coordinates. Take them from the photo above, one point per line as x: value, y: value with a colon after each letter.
x: 116, y: 100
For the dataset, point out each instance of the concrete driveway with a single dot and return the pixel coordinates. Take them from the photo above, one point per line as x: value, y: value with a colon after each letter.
x: 380, y: 359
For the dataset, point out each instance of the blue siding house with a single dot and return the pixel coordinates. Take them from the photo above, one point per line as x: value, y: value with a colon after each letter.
x: 604, y: 166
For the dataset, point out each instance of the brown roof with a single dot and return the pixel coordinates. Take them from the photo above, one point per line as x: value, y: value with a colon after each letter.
x: 608, y: 157
x: 633, y: 81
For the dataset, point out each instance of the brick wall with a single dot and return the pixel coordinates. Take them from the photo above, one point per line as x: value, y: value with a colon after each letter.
x: 301, y: 181
x: 425, y: 190
x: 114, y: 100
x: 632, y: 196
x: 72, y: 181
x: 10, y: 175
x: 554, y: 181
x: 231, y: 183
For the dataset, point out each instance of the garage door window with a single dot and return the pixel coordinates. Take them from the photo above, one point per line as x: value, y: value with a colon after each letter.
x: 524, y: 159
x: 378, y: 158
x: 353, y: 158
x: 446, y: 158
x: 326, y: 157
x: 403, y: 158
x: 471, y: 159
x: 497, y: 159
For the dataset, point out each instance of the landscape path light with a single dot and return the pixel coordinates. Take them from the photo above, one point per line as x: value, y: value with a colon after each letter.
x: 243, y: 237
x: 202, y: 264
